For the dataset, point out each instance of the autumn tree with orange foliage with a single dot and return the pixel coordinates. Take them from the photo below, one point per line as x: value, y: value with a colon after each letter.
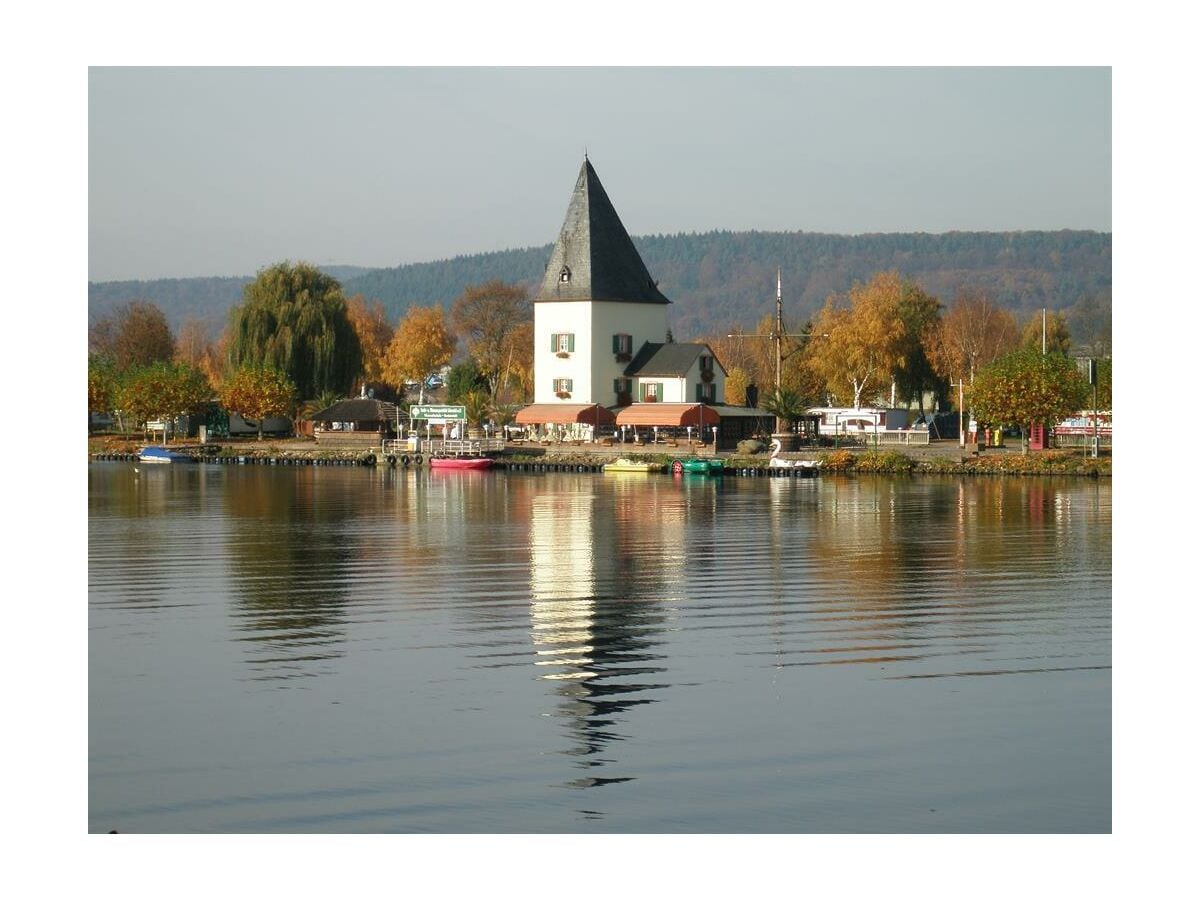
x: 194, y: 347
x: 483, y: 316
x: 1058, y: 336
x: 257, y: 392
x: 752, y: 354
x: 375, y: 335
x: 515, y: 383
x: 973, y: 333
x: 421, y: 344
x: 861, y: 339
x: 137, y: 334
x: 161, y: 390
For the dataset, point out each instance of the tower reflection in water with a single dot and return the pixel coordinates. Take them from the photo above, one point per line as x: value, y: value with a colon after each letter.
x: 595, y: 623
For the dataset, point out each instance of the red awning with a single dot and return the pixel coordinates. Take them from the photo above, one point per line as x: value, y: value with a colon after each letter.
x: 676, y: 415
x: 565, y: 414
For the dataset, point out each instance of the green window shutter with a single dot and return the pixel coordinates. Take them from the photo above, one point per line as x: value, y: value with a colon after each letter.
x: 616, y: 343
x: 571, y: 343
x: 553, y: 343
x: 616, y: 385
x: 570, y: 384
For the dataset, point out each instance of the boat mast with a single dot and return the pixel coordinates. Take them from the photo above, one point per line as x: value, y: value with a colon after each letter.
x: 778, y: 335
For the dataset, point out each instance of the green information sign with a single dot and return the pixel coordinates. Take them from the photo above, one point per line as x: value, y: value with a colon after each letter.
x: 446, y: 413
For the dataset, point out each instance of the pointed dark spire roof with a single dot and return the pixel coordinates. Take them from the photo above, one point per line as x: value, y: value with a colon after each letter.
x: 594, y: 257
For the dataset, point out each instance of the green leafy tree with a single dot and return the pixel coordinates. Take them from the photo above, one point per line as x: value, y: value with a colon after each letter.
x: 1103, y: 393
x: 102, y: 384
x: 162, y: 391
x: 294, y: 319
x: 465, y: 378
x: 920, y: 314
x: 1026, y: 387
x: 257, y: 393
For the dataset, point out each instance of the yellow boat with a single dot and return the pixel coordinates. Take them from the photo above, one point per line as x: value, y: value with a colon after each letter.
x: 629, y: 465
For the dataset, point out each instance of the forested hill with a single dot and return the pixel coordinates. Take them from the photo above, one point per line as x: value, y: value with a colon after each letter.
x: 720, y: 279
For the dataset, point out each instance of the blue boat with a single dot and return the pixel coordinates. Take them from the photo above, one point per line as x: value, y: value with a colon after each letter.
x: 162, y: 455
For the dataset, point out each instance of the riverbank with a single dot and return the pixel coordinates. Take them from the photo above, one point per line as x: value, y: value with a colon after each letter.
x: 939, y: 458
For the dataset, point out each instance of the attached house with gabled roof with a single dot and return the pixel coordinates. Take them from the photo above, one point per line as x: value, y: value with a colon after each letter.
x: 675, y: 373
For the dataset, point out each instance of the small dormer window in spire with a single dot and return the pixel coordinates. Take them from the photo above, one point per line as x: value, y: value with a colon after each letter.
x: 565, y: 275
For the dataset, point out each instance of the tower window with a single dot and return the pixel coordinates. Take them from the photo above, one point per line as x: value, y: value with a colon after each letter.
x: 565, y: 275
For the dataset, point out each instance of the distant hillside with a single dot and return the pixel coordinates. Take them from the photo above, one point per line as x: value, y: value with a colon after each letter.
x: 719, y: 279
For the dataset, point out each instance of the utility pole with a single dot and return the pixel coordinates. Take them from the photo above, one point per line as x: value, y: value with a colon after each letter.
x: 1043, y: 331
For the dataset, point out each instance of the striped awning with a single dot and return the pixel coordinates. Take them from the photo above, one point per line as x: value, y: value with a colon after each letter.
x: 676, y: 415
x: 565, y: 414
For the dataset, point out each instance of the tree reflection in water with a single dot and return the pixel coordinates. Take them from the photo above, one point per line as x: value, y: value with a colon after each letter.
x: 290, y: 558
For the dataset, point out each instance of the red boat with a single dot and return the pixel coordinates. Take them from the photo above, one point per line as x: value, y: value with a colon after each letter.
x: 461, y: 463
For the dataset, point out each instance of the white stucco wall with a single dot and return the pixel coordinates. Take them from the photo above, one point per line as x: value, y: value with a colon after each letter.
x: 683, y: 390
x: 592, y: 366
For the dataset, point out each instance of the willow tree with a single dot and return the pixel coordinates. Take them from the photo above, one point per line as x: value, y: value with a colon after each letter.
x: 294, y: 319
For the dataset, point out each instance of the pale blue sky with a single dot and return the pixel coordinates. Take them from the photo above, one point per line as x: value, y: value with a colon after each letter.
x: 222, y: 171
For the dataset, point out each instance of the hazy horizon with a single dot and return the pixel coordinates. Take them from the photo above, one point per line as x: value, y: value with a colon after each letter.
x: 220, y: 172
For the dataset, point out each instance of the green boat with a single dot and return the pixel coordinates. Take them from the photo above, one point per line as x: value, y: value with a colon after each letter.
x: 698, y: 467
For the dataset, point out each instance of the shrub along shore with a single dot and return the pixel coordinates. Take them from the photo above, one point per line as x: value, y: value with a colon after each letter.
x: 945, y: 459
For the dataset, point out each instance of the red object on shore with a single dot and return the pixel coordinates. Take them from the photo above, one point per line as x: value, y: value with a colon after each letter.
x: 461, y: 463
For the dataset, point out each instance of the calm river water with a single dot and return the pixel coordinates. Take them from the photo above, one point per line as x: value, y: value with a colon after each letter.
x: 353, y: 650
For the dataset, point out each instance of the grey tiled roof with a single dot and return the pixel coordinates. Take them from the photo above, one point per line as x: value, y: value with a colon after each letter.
x: 674, y: 360
x: 596, y: 250
x: 360, y: 409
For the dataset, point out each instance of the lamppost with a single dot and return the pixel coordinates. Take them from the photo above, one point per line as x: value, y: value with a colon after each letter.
x: 962, y: 435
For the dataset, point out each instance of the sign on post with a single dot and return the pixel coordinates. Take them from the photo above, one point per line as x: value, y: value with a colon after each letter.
x: 438, y: 413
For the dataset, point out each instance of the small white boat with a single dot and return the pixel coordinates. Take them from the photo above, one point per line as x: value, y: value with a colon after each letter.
x: 162, y: 455
x: 777, y: 463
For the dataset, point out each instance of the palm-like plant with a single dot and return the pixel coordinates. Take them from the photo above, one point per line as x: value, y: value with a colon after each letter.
x: 785, y: 405
x: 477, y: 405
